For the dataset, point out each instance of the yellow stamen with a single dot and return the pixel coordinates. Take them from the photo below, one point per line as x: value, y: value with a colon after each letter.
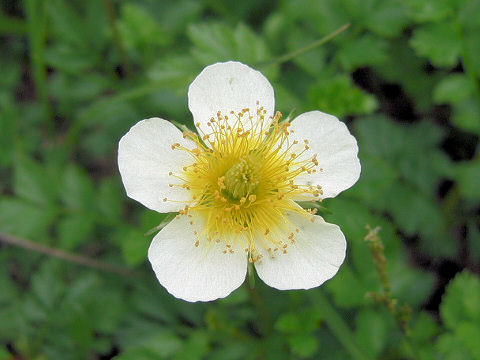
x: 243, y: 184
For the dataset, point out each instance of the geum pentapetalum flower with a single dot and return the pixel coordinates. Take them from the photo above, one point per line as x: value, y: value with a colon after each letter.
x: 236, y: 185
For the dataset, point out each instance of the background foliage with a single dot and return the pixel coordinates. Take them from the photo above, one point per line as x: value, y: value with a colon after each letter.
x: 77, y: 74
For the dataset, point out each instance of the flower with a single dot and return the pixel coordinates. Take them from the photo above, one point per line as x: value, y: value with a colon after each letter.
x: 235, y: 186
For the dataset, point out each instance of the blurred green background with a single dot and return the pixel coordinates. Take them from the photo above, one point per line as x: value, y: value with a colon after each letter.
x: 76, y: 75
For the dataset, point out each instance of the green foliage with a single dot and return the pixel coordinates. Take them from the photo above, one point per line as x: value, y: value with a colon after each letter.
x: 340, y: 96
x: 76, y: 75
x: 460, y: 312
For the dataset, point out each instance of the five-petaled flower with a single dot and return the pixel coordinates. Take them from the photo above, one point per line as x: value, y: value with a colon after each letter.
x: 235, y: 186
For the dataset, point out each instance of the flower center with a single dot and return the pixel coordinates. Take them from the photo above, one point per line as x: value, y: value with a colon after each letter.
x: 242, y: 182
x: 242, y: 179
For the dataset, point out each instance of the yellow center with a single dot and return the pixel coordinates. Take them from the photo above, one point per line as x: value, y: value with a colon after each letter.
x: 242, y: 181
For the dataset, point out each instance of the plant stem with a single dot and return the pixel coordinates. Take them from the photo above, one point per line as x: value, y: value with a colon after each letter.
x: 112, y: 20
x: 257, y: 301
x: 36, y: 21
x: 337, y: 325
x: 298, y: 52
x: 64, y: 255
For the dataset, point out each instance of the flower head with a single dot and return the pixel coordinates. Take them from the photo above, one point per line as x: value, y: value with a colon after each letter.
x: 235, y: 185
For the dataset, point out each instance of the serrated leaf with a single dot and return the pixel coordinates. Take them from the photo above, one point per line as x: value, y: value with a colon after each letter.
x: 423, y: 329
x: 371, y: 331
x: 347, y: 290
x: 47, y: 285
x: 387, y: 18
x: 215, y: 42
x: 452, y: 348
x: 23, y: 219
x: 196, y: 347
x: 468, y: 333
x: 430, y: 10
x: 74, y: 230
x: 159, y: 344
x: 303, y: 345
x: 468, y: 174
x: 33, y: 182
x: 461, y: 301
x: 77, y: 191
x: 175, y: 72
x: 109, y: 200
x: 466, y: 115
x: 416, y: 213
x: 314, y: 61
x: 141, y: 33
x: 471, y: 49
x: 440, y: 43
x: 303, y: 321
x: 341, y: 97
x: 453, y: 89
x: 364, y: 51
x: 134, y: 245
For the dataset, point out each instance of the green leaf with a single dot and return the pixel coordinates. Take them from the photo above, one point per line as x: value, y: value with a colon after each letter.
x: 473, y: 238
x: 380, y: 136
x: 175, y: 72
x: 347, y: 289
x: 440, y: 43
x: 423, y: 329
x: 364, y: 51
x: 430, y: 10
x: 461, y: 301
x: 375, y: 181
x: 387, y: 18
x: 314, y: 61
x: 23, y: 219
x: 468, y: 174
x: 47, y: 286
x: 134, y: 245
x: 160, y: 344
x: 339, y: 96
x: 452, y: 348
x: 416, y: 213
x: 468, y: 8
x: 306, y: 320
x: 468, y: 333
x: 404, y: 67
x: 4, y: 354
x: 34, y: 183
x: 371, y: 331
x: 141, y: 33
x: 213, y: 42
x: 73, y: 230
x: 453, y: 89
x: 80, y: 30
x: 303, y: 345
x: 8, y: 120
x: 196, y: 347
x: 110, y: 201
x: 77, y: 191
x: 466, y: 115
x: 471, y: 49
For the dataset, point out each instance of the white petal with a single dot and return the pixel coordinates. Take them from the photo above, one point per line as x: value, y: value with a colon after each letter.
x: 229, y: 86
x: 192, y: 273
x: 145, y: 158
x: 315, y: 257
x: 336, y: 148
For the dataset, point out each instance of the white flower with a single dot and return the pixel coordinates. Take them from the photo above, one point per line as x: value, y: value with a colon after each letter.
x: 235, y: 185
